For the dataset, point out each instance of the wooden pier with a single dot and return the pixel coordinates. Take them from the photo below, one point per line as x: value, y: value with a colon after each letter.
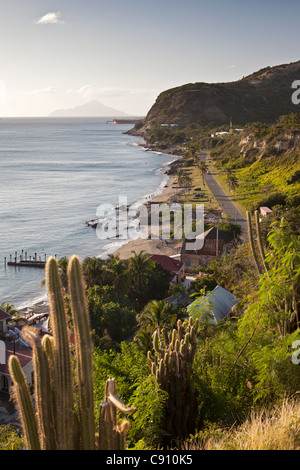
x: 26, y: 261
x: 33, y: 263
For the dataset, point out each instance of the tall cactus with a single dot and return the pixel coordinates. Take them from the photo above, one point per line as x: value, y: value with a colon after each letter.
x: 55, y: 424
x: 62, y: 372
x: 252, y: 246
x: 259, y: 242
x: 81, y: 324
x: 171, y: 364
x: 43, y: 394
x: 23, y: 399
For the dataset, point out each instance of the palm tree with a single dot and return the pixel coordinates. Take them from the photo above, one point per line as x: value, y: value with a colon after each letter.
x: 139, y: 267
x: 158, y: 314
x: 143, y: 339
x: 182, y: 179
x: 9, y: 308
x: 203, y: 170
x: 93, y: 271
x: 193, y: 150
x: 232, y: 182
x: 119, y: 270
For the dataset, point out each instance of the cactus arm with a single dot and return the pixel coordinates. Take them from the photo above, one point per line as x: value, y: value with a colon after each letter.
x: 119, y: 404
x: 84, y: 352
x: 23, y: 399
x: 62, y: 364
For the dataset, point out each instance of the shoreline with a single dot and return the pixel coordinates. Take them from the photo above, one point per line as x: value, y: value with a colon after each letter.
x: 164, y: 189
x: 42, y: 306
x: 156, y: 246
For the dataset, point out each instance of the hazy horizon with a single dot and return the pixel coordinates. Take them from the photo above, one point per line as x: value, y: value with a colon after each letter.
x: 60, y: 55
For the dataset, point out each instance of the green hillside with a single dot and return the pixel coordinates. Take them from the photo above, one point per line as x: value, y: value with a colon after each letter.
x: 265, y: 160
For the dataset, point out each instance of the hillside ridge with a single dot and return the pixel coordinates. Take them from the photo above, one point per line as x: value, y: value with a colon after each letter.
x: 262, y: 96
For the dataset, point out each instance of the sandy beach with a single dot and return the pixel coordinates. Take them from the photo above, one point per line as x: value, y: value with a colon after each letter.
x: 163, y: 247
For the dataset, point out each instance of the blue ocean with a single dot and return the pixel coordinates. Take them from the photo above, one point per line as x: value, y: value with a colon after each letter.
x: 55, y: 172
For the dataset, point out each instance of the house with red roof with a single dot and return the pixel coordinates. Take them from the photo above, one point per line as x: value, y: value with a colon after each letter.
x: 174, y: 266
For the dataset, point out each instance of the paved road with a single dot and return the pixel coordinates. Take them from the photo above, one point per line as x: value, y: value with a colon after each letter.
x: 225, y: 202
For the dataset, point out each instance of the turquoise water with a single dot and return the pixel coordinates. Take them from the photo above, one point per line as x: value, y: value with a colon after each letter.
x: 54, y: 175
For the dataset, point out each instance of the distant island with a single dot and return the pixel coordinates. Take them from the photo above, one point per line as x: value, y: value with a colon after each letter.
x: 91, y: 109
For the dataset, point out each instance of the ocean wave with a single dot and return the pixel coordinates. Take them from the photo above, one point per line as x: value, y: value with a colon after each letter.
x: 33, y: 301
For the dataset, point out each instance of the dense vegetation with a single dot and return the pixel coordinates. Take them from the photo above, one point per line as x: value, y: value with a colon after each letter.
x: 246, y: 365
x: 241, y: 365
x: 265, y: 161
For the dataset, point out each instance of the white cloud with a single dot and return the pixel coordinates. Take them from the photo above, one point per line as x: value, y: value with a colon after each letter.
x: 43, y: 91
x: 50, y: 18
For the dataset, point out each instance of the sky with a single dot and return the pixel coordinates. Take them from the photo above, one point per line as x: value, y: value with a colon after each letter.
x: 64, y: 53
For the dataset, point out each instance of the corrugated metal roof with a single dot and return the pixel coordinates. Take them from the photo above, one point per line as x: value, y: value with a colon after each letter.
x: 221, y: 300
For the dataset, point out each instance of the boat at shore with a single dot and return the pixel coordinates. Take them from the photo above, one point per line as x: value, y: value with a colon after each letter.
x: 126, y: 121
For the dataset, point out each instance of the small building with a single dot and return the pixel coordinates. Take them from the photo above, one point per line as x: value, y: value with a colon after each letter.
x: 173, y: 126
x: 213, y: 216
x: 12, y: 343
x: 218, y: 303
x: 174, y: 266
x: 221, y: 133
x: 265, y: 211
x: 212, y: 245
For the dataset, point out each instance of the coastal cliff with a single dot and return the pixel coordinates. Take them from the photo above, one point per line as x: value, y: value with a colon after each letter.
x: 262, y: 96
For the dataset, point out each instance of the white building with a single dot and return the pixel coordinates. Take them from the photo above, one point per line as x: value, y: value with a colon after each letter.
x: 11, y: 342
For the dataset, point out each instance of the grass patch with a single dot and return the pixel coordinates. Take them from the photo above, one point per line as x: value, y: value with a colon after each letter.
x: 276, y: 429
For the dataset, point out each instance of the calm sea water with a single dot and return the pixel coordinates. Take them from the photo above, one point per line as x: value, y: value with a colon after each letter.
x: 54, y: 175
